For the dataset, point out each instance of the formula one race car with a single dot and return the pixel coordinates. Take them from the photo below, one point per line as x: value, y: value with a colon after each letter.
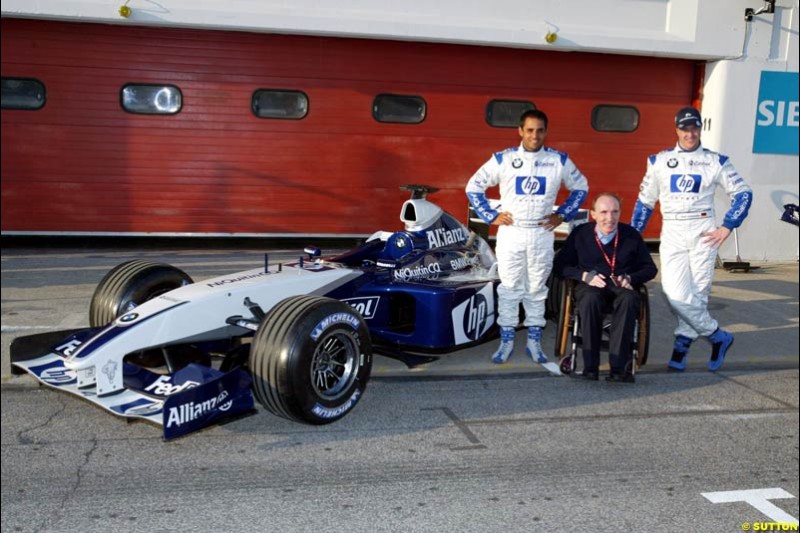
x: 298, y: 336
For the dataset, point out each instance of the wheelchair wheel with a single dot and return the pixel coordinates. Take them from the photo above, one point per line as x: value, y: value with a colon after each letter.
x: 566, y: 364
x: 643, y: 342
x: 563, y: 317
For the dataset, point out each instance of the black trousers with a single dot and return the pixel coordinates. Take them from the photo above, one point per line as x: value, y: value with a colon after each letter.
x: 593, y: 303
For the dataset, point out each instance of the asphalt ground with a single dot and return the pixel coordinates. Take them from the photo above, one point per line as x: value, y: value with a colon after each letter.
x: 460, y: 444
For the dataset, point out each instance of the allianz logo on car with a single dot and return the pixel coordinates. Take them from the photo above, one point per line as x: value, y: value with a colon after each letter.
x: 443, y: 237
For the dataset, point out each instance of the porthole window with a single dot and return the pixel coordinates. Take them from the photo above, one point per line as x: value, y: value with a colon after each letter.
x: 506, y: 113
x: 279, y: 103
x: 399, y: 108
x: 617, y: 118
x: 149, y: 99
x: 22, y: 93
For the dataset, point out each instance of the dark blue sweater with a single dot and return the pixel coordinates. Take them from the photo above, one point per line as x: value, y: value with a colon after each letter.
x: 581, y: 254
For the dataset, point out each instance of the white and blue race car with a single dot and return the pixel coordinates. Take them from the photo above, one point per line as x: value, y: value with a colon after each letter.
x: 298, y: 337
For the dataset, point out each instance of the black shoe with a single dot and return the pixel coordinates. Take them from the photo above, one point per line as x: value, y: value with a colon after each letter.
x: 588, y: 375
x: 621, y: 378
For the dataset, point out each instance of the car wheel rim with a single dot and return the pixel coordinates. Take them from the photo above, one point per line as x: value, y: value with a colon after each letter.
x: 334, y: 365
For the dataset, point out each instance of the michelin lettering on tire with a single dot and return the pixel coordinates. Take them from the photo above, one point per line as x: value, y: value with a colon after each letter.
x: 333, y: 412
x: 335, y: 318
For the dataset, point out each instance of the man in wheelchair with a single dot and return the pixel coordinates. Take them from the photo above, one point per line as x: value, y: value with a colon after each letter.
x: 607, y: 260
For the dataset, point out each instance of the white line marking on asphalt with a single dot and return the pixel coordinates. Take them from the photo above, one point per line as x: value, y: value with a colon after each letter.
x: 758, y: 498
x: 12, y: 329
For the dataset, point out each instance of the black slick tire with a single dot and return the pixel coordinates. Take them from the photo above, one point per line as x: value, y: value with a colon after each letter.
x: 311, y: 359
x: 130, y: 284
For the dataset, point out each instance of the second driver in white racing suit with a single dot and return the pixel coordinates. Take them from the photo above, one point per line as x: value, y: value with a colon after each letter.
x: 529, y: 178
x: 684, y: 180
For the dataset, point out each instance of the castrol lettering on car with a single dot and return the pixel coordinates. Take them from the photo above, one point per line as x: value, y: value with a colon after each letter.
x: 365, y: 305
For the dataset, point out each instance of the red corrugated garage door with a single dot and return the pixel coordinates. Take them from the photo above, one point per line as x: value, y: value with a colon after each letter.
x: 81, y: 163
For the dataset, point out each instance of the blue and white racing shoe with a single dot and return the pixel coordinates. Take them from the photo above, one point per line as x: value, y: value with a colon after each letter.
x: 506, y: 346
x: 721, y: 341
x: 680, y: 351
x: 534, y: 350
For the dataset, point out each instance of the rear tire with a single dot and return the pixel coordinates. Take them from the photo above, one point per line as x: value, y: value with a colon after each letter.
x: 130, y: 284
x: 311, y: 359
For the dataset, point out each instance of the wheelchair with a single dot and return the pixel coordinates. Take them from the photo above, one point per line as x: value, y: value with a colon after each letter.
x: 561, y: 309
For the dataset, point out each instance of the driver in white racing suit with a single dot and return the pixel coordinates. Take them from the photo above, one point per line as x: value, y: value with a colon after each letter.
x: 529, y: 178
x: 684, y: 179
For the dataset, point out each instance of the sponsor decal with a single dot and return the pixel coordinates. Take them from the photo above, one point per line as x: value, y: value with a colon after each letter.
x: 516, y: 162
x: 430, y: 271
x: 145, y: 409
x: 685, y: 183
x: 461, y: 263
x: 163, y: 386
x: 544, y: 163
x: 672, y: 163
x: 530, y: 185
x: 745, y: 201
x: 188, y: 412
x: 386, y: 264
x: 693, y: 163
x: 110, y: 370
x: 473, y: 318
x: 777, y: 114
x: 443, y: 237
x: 400, y: 242
x: 734, y: 178
x: 129, y: 317
x: 69, y: 347
x: 366, y: 306
x: 228, y: 281
x: 335, y: 318
x: 58, y: 376
x: 332, y: 412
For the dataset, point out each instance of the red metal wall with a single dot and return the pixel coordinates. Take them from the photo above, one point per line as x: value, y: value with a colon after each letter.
x: 81, y: 163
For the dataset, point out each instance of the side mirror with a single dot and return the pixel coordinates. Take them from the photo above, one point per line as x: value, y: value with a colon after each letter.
x: 312, y: 251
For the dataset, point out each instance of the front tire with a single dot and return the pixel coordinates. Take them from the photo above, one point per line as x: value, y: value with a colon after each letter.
x: 130, y: 284
x: 311, y: 359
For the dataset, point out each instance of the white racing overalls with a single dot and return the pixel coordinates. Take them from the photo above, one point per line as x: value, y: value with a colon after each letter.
x: 684, y: 183
x: 529, y: 183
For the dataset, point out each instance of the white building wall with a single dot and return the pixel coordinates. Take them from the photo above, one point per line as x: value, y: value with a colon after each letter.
x: 730, y: 108
x: 679, y: 28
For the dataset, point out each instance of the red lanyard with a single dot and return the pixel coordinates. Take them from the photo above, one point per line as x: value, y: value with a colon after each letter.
x: 613, y: 261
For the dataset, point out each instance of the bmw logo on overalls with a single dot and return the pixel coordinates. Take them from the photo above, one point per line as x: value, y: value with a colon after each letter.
x: 516, y: 162
x: 672, y: 163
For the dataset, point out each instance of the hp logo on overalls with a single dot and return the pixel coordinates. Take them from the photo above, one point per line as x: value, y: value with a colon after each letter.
x: 530, y: 185
x: 684, y: 183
